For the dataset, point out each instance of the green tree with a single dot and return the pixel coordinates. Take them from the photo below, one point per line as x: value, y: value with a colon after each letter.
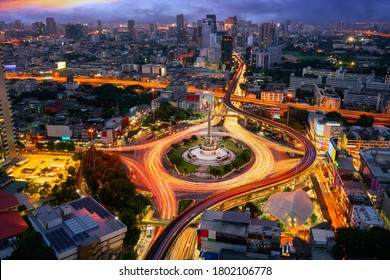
x: 254, y: 210
x: 334, y: 116
x: 365, y: 121
x: 32, y: 247
x: 72, y: 170
x: 194, y: 137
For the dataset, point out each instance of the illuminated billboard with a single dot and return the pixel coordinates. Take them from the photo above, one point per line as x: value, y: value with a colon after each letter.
x: 318, y: 128
x: 332, y: 149
x: 10, y: 67
x: 61, y: 65
x: 205, y: 102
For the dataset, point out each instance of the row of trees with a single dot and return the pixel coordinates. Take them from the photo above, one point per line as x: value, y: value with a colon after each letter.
x: 60, y: 146
x: 352, y: 243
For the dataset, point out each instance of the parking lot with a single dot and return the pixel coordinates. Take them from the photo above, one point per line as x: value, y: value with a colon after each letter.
x: 42, y: 168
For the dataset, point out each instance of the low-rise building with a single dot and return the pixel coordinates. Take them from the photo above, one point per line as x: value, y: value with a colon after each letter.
x: 270, y: 95
x: 364, y: 217
x: 321, y: 243
x: 81, y: 229
x: 326, y: 97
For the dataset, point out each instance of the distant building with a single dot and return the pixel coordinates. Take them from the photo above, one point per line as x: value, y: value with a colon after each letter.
x: 214, y: 19
x: 301, y: 82
x: 275, y: 54
x: 274, y: 96
x: 181, y: 29
x: 54, y: 107
x: 74, y: 31
x: 51, y: 26
x: 326, y: 97
x: 266, y: 35
x: 39, y: 28
x: 81, y: 229
x: 131, y: 29
x: 260, y: 59
x: 207, y: 27
x: 227, y: 52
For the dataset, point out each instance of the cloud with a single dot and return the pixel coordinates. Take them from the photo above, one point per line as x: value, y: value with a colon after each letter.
x: 166, y: 11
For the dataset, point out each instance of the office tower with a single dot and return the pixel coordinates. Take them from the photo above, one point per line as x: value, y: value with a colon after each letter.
x: 39, y: 28
x: 214, y: 19
x: 153, y: 27
x: 181, y: 28
x: 131, y: 29
x: 73, y: 31
x: 7, y: 133
x: 207, y: 26
x: 341, y: 26
x: 227, y: 51
x: 51, y: 26
x: 99, y: 24
x: 275, y: 54
x: 18, y: 24
x: 266, y: 35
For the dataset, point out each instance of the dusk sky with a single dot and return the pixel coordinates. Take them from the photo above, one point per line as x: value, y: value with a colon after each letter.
x: 160, y: 11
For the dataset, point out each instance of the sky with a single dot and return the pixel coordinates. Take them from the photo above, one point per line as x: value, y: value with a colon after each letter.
x: 165, y: 11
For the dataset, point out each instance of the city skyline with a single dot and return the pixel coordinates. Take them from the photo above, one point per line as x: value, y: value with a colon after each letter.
x: 142, y: 12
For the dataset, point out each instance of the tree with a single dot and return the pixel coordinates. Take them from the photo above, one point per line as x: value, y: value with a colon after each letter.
x: 176, y: 159
x: 72, y: 170
x: 194, y: 138
x: 365, y: 121
x: 31, y: 247
x: 334, y: 116
x: 255, y: 212
x: 117, y: 194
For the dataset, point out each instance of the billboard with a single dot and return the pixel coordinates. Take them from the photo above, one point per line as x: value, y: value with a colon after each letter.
x: 58, y: 131
x: 61, y: 65
x: 205, y: 102
x: 318, y: 128
x: 332, y: 149
x: 10, y: 67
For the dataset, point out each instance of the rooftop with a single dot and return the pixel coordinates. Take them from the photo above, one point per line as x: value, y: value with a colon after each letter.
x: 230, y: 222
x: 367, y: 215
x: 378, y: 160
x: 7, y: 200
x: 84, y: 220
x: 11, y: 223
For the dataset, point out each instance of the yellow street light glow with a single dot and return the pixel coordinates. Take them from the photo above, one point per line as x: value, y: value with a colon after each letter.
x: 350, y: 39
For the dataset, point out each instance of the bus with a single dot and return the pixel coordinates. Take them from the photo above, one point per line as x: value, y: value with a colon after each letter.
x: 149, y: 136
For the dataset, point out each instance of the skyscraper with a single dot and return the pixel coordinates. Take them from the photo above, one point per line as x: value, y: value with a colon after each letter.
x: 227, y: 51
x: 181, y: 28
x: 73, y: 31
x: 214, y: 18
x: 51, y: 26
x: 7, y: 133
x: 266, y: 35
x: 131, y: 29
x: 207, y: 27
x: 39, y: 28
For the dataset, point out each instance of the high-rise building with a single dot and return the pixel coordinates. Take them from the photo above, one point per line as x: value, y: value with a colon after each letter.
x: 131, y: 29
x: 266, y: 35
x: 231, y: 28
x: 74, y: 31
x: 18, y: 24
x: 51, y: 26
x: 181, y: 28
x: 99, y: 24
x: 275, y: 54
x: 39, y: 28
x: 214, y: 18
x: 207, y: 27
x: 7, y: 133
x: 227, y: 51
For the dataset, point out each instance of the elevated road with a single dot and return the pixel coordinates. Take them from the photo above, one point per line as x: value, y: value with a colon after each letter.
x: 164, y: 242
x: 349, y: 114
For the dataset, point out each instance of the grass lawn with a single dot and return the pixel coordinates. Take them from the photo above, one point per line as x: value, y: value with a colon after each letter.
x: 184, y: 204
x: 190, y: 168
x: 306, y: 57
x: 231, y: 146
